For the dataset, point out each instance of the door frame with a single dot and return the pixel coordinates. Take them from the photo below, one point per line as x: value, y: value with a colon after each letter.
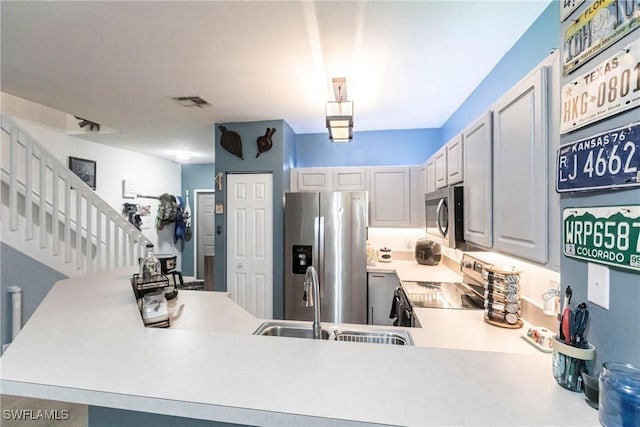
x: 194, y: 225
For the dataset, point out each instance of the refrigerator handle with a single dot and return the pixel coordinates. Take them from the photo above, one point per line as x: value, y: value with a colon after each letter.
x: 316, y: 238
x: 320, y: 267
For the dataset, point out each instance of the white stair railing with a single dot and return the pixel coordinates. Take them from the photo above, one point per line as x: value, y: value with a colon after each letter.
x: 47, y: 203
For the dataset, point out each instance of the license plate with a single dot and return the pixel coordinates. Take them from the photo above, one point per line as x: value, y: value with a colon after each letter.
x: 605, y: 235
x: 601, y: 24
x: 610, y: 88
x: 567, y: 7
x: 608, y: 159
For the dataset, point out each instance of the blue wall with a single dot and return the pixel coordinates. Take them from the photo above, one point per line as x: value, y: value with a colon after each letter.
x: 539, y: 40
x: 35, y: 279
x: 194, y: 177
x: 373, y: 148
x: 275, y: 161
x: 614, y: 332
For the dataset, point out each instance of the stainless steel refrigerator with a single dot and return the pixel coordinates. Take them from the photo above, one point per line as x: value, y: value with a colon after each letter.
x: 327, y: 230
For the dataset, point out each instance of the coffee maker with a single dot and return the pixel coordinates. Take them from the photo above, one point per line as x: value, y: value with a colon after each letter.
x: 168, y: 265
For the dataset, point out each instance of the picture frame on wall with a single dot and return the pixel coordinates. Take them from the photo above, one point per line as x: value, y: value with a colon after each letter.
x: 85, y: 170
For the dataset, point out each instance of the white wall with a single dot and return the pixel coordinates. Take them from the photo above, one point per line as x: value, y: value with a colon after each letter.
x: 152, y: 175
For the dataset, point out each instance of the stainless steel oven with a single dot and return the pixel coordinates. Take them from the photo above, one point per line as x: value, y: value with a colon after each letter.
x: 444, y: 216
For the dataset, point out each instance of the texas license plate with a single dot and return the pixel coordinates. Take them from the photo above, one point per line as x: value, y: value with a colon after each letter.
x: 611, y: 87
x: 606, y: 235
x: 608, y: 159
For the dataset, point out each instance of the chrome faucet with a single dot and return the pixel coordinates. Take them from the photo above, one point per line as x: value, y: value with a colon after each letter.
x: 312, y: 299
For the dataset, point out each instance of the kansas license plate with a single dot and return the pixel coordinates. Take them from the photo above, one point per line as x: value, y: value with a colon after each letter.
x: 611, y: 87
x: 606, y: 235
x: 606, y: 160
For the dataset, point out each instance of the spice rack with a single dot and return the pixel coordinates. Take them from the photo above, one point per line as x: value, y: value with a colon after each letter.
x: 144, y: 286
x: 502, y: 297
x: 147, y: 286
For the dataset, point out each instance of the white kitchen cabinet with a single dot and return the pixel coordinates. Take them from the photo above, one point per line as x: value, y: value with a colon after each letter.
x: 417, y: 195
x: 349, y: 179
x: 311, y: 179
x: 520, y: 169
x: 455, y: 162
x: 478, y: 187
x: 389, y: 197
x: 441, y: 167
x: 380, y: 287
x: 431, y: 174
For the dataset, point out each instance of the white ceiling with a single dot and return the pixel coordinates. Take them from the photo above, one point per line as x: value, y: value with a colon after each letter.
x: 408, y: 64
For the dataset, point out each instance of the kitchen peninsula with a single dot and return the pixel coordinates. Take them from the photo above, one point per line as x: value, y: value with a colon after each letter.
x: 86, y: 343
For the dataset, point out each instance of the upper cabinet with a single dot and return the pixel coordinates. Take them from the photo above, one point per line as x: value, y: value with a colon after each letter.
x: 311, y: 179
x: 329, y: 179
x: 448, y: 164
x: 430, y: 169
x: 455, y: 160
x: 520, y: 169
x: 395, y: 193
x: 349, y: 179
x: 390, y: 196
x: 441, y: 167
x: 478, y: 188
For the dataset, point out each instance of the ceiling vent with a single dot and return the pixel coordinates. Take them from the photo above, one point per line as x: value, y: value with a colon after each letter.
x: 191, y: 101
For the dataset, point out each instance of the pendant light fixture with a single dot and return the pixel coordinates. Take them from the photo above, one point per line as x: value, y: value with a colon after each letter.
x: 339, y: 113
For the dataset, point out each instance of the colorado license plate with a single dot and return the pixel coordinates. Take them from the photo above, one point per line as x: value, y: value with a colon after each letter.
x: 608, y: 159
x: 610, y: 88
x: 606, y: 235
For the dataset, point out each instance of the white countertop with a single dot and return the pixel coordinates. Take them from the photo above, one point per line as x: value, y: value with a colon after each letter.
x: 86, y: 343
x: 454, y: 329
x: 412, y: 271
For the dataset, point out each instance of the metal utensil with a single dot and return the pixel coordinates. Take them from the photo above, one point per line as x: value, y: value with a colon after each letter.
x: 566, y: 316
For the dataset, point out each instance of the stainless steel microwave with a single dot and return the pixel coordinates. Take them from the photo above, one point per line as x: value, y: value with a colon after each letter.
x: 444, y: 216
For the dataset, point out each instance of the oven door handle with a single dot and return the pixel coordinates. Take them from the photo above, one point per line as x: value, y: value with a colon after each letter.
x: 394, y: 307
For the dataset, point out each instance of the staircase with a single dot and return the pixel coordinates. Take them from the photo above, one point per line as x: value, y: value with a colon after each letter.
x: 51, y: 215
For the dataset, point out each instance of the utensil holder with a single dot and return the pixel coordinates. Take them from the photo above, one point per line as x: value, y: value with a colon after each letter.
x: 569, y: 362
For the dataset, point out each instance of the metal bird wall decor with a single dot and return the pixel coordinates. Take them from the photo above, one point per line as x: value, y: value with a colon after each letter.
x: 85, y: 122
x: 264, y: 142
x: 230, y: 141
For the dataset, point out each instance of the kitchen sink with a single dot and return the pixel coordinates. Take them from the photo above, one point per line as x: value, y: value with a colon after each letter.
x: 303, y: 330
x: 292, y: 330
x: 375, y: 337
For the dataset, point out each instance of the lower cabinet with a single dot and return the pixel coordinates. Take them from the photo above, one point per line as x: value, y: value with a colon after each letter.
x: 380, y: 288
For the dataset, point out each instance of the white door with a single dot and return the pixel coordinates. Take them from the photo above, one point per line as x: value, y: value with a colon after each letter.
x: 250, y: 242
x: 205, y: 231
